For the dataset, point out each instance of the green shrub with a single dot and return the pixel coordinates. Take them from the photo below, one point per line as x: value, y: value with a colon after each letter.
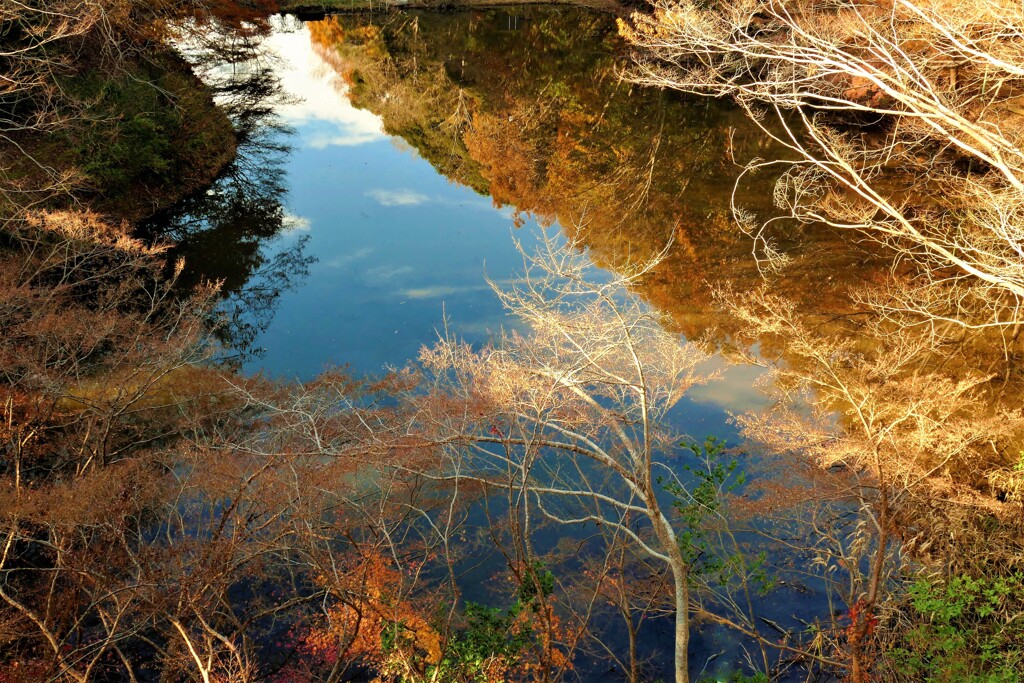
x: 966, y: 629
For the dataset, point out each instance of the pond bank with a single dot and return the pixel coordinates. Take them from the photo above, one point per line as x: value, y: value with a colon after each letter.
x: 144, y: 140
x: 318, y: 8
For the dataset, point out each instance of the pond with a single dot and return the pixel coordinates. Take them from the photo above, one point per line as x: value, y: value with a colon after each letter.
x: 412, y: 152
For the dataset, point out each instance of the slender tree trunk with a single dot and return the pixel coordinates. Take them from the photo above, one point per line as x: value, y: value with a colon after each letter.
x: 860, y: 628
x: 680, y: 576
x: 634, y: 662
x: 681, y: 579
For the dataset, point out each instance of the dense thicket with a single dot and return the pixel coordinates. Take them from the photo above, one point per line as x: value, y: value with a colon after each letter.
x: 96, y: 104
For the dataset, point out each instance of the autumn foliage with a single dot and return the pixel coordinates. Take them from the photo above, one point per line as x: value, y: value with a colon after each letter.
x: 373, y: 623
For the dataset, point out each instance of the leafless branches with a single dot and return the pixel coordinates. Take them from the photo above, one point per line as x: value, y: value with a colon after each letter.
x: 902, y: 435
x: 903, y: 123
x: 570, y: 416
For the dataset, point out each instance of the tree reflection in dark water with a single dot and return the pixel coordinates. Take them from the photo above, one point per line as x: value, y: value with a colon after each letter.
x: 532, y: 110
x: 527, y: 105
x: 236, y: 231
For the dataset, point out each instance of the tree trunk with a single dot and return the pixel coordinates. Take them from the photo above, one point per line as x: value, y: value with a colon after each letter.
x: 680, y: 577
x: 862, y: 623
x: 634, y: 660
x: 682, y: 644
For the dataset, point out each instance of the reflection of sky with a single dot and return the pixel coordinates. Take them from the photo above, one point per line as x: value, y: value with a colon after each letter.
x: 317, y: 102
x: 398, y: 246
x: 733, y: 390
x: 399, y: 250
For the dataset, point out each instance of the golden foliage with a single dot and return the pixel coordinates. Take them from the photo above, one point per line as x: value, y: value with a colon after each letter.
x: 926, y: 71
x: 372, y: 621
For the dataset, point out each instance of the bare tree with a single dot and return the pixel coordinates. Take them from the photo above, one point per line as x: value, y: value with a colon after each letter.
x: 571, y: 415
x: 903, y: 124
x: 902, y: 435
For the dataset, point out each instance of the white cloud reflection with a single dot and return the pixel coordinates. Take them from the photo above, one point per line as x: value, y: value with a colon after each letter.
x: 294, y: 223
x: 347, y: 259
x: 442, y: 291
x: 737, y: 390
x: 438, y: 291
x: 316, y: 93
x: 385, y: 273
x: 397, y: 197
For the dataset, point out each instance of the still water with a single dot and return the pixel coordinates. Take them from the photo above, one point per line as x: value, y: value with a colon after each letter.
x: 409, y: 150
x: 412, y: 150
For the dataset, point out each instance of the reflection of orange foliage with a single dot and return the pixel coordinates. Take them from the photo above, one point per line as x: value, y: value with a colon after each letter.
x: 330, y: 34
x: 326, y: 36
x: 326, y: 32
x: 622, y: 170
x: 510, y: 162
x: 329, y: 38
x: 553, y: 636
x: 371, y: 609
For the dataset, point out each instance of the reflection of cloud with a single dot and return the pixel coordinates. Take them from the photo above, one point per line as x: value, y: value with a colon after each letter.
x: 397, y: 197
x: 318, y: 93
x: 736, y: 390
x: 441, y: 291
x: 386, y: 272
x: 346, y: 259
x: 318, y: 141
x: 438, y: 291
x: 406, y: 197
x: 294, y: 223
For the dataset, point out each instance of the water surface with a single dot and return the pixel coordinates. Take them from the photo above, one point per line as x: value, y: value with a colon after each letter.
x: 416, y: 148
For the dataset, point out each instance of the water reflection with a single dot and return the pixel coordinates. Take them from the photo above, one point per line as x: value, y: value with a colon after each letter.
x: 537, y: 117
x: 522, y: 110
x: 238, y: 232
x: 528, y: 108
x: 533, y: 113
x: 533, y: 117
x: 397, y: 246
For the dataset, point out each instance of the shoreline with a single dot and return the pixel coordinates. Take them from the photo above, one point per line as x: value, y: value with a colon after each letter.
x: 143, y: 150
x: 315, y: 9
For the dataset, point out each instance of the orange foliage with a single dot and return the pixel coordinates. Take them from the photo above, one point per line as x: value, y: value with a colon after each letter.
x: 327, y: 32
x: 510, y: 161
x: 373, y: 620
x: 622, y: 170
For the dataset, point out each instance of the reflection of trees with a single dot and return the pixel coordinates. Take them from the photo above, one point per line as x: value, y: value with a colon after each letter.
x: 95, y: 102
x: 897, y: 137
x: 386, y: 72
x: 233, y: 232
x: 551, y: 130
x: 155, y: 523
x: 539, y: 118
x: 868, y: 154
x: 927, y: 415
x: 895, y: 128
x: 591, y: 384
